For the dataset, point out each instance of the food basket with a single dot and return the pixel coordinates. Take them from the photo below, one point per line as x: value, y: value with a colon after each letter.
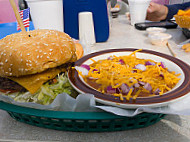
x: 79, y: 121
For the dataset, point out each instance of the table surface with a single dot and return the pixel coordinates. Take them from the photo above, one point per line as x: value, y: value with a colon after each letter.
x: 172, y: 128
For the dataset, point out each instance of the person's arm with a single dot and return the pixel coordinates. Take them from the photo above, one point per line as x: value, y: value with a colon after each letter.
x: 156, y: 12
x: 173, y: 9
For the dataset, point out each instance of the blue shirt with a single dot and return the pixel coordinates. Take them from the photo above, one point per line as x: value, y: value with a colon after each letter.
x: 173, y: 9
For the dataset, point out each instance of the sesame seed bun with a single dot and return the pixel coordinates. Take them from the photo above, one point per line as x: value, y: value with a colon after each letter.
x: 23, y: 55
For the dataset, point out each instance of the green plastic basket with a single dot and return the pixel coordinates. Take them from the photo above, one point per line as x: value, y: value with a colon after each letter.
x: 79, y: 121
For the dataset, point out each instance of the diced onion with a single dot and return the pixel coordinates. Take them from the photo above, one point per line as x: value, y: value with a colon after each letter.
x: 140, y: 67
x: 125, y: 88
x: 142, y: 83
x: 149, y: 63
x: 85, y: 66
x: 162, y: 65
x: 83, y: 70
x: 148, y: 87
x: 136, y: 85
x: 121, y: 61
x: 157, y: 91
x: 110, y: 90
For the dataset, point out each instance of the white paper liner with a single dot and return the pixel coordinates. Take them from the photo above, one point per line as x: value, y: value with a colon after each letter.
x: 86, y: 103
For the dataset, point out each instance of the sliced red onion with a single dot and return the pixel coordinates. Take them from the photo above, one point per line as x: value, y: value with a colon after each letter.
x: 110, y: 90
x: 140, y: 67
x: 148, y: 87
x: 162, y: 65
x: 84, y: 71
x: 121, y: 61
x: 141, y: 83
x: 125, y: 88
x: 157, y: 91
x: 149, y: 63
x: 85, y: 66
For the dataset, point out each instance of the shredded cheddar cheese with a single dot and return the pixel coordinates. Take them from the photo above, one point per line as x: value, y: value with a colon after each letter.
x: 113, y: 72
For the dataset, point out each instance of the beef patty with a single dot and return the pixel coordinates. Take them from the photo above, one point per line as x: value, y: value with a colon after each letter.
x: 6, y: 83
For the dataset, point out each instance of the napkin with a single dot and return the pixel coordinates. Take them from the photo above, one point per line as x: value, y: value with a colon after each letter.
x: 87, y: 103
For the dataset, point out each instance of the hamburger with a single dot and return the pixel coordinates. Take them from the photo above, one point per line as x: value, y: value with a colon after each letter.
x: 32, y: 68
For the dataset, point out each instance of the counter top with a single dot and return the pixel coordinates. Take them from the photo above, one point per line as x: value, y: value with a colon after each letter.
x: 172, y: 128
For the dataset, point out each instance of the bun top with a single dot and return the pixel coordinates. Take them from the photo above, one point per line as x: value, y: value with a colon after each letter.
x: 23, y: 55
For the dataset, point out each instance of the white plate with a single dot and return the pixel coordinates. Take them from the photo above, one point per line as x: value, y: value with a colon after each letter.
x: 173, y: 64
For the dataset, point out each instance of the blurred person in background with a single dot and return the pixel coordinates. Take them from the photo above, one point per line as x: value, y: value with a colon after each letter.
x: 159, y: 12
x: 163, y: 2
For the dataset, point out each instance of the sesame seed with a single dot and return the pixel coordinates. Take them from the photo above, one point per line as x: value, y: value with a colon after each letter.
x: 10, y: 54
x: 4, y: 54
x: 48, y: 57
x: 40, y: 51
x: 49, y: 53
x: 28, y: 54
x: 21, y: 60
x: 27, y: 64
x: 1, y: 63
x: 45, y: 53
x: 26, y: 69
x: 30, y: 64
x: 11, y: 64
x: 9, y: 69
x: 37, y: 56
x: 6, y: 72
x: 6, y: 60
x: 41, y: 56
x: 10, y: 73
x: 50, y: 49
x: 1, y: 53
x: 36, y: 50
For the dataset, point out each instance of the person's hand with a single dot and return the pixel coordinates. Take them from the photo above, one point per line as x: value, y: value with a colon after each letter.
x: 156, y: 12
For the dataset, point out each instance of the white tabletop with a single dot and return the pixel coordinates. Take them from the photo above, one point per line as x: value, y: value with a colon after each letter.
x: 172, y: 128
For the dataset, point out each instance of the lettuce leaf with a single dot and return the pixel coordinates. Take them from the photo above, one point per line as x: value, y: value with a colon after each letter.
x: 47, y: 93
